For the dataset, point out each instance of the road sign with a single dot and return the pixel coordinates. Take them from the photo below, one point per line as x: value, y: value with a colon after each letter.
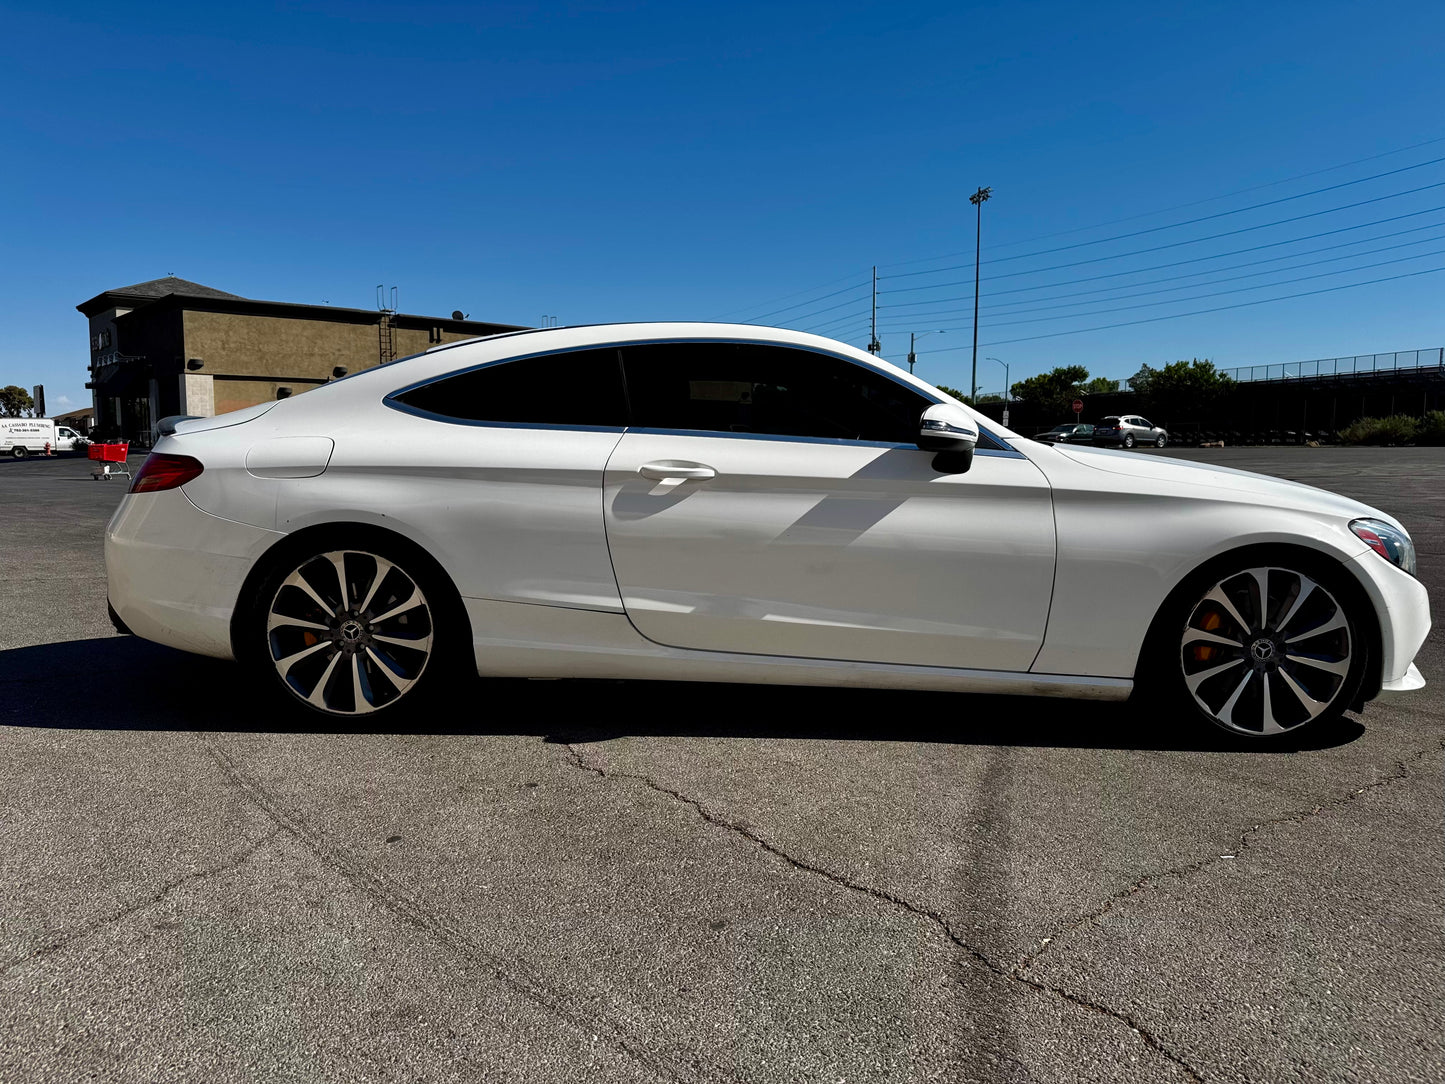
x: 1005, y: 417
x: 1078, y: 406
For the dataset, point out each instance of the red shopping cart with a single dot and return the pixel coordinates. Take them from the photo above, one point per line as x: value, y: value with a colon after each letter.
x: 110, y: 459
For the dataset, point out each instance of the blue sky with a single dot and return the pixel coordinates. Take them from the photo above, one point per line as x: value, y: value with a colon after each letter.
x: 617, y: 161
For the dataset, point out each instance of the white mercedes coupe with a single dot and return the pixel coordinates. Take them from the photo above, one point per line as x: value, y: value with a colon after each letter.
x: 715, y: 502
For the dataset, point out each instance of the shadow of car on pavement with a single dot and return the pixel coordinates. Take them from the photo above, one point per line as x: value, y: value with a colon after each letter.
x: 125, y: 683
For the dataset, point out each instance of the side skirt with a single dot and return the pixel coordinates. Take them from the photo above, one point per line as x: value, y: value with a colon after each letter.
x: 520, y: 640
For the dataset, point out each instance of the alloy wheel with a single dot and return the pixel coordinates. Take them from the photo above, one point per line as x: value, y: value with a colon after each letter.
x: 1159, y: 443
x: 349, y: 632
x: 1128, y: 440
x: 1266, y: 650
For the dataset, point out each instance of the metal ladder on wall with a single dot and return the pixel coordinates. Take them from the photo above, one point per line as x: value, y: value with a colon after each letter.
x: 385, y: 343
x: 384, y: 340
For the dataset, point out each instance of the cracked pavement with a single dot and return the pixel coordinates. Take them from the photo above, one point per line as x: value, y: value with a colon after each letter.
x: 616, y: 881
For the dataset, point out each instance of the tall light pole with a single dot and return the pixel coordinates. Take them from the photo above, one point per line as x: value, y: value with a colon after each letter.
x: 874, y: 347
x: 914, y: 336
x: 977, y: 199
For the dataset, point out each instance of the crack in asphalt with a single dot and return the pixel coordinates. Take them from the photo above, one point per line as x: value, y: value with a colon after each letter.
x: 1151, y: 1040
x: 1299, y: 816
x: 454, y: 939
x: 69, y: 937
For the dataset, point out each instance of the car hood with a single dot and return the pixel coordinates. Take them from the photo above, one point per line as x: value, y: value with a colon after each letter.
x: 1189, y: 475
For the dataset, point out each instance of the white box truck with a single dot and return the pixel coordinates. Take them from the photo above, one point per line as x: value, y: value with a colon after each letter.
x: 20, y: 437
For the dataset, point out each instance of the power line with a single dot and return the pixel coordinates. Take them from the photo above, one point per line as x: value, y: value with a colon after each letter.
x: 784, y: 297
x: 1183, y: 206
x: 1216, y: 293
x: 835, y: 322
x: 819, y: 312
x: 1199, y: 312
x: 1194, y: 240
x: 1168, y: 289
x: 1175, y: 263
x: 811, y: 301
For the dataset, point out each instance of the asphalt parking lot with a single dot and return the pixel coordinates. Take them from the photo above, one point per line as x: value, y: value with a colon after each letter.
x: 564, y: 881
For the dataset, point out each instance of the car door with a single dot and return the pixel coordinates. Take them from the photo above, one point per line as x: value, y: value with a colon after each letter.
x: 771, y: 500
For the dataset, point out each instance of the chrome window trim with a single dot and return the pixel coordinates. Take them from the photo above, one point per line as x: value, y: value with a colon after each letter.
x: 622, y: 344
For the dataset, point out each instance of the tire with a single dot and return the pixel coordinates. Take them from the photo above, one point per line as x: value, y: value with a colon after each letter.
x: 1160, y: 442
x: 1128, y: 440
x: 354, y: 629
x: 1264, y: 648
x: 18, y: 452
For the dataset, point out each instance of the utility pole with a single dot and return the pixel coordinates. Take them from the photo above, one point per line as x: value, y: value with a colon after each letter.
x: 977, y: 199
x: 873, y: 345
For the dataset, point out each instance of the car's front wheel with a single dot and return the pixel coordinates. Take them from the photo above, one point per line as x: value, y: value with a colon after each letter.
x: 353, y: 630
x: 1266, y: 650
x: 1159, y: 441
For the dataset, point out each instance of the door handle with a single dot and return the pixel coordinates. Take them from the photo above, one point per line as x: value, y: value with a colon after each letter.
x: 676, y: 470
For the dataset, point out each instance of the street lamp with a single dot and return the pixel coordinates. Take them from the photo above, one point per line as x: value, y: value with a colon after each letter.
x: 1007, y: 387
x: 977, y: 199
x: 915, y: 335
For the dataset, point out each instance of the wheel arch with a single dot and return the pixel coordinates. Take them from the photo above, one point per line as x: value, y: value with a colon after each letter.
x: 1344, y: 570
x: 344, y: 533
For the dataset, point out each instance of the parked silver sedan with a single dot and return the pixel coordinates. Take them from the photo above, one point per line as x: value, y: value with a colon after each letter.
x: 1127, y: 430
x: 1067, y: 434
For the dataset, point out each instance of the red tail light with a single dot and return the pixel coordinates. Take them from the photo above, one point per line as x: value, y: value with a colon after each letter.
x: 165, y: 472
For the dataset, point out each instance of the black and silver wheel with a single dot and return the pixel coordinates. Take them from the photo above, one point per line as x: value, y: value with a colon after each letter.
x: 19, y: 452
x: 1160, y: 440
x: 349, y: 631
x: 1128, y: 440
x: 1268, y: 650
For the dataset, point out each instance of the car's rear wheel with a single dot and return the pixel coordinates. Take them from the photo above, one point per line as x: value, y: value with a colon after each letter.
x: 350, y: 631
x: 1269, y: 649
x: 1128, y: 440
x: 18, y: 452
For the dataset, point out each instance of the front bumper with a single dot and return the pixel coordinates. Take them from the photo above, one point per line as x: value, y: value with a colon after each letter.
x: 1412, y: 680
x: 174, y: 572
x: 1403, y: 607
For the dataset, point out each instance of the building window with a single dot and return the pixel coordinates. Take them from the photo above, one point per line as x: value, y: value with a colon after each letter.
x: 436, y: 335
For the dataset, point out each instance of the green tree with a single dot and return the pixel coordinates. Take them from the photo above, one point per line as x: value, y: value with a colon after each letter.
x: 953, y: 392
x: 1053, y: 391
x: 15, y: 402
x: 1100, y: 385
x: 1180, y: 390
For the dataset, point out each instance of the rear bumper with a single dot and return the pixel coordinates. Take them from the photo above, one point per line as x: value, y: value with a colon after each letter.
x: 174, y: 572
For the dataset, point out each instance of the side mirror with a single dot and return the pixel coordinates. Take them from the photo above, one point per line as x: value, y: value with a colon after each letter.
x: 951, y: 432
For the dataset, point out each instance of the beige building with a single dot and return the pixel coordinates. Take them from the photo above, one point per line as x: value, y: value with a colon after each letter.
x: 175, y: 347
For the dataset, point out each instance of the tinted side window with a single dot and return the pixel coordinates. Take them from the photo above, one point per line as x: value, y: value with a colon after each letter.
x: 579, y: 388
x: 745, y: 388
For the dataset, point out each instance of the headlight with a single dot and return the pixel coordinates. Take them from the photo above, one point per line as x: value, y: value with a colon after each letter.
x: 1391, y: 543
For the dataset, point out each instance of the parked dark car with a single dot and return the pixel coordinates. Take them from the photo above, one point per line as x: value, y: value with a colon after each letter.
x: 1065, y: 434
x: 1127, y: 430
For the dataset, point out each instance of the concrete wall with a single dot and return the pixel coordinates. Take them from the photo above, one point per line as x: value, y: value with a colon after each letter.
x: 272, y: 346
x: 249, y: 357
x: 237, y: 394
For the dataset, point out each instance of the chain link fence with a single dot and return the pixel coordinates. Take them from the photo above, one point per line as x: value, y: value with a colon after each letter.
x: 1363, y: 364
